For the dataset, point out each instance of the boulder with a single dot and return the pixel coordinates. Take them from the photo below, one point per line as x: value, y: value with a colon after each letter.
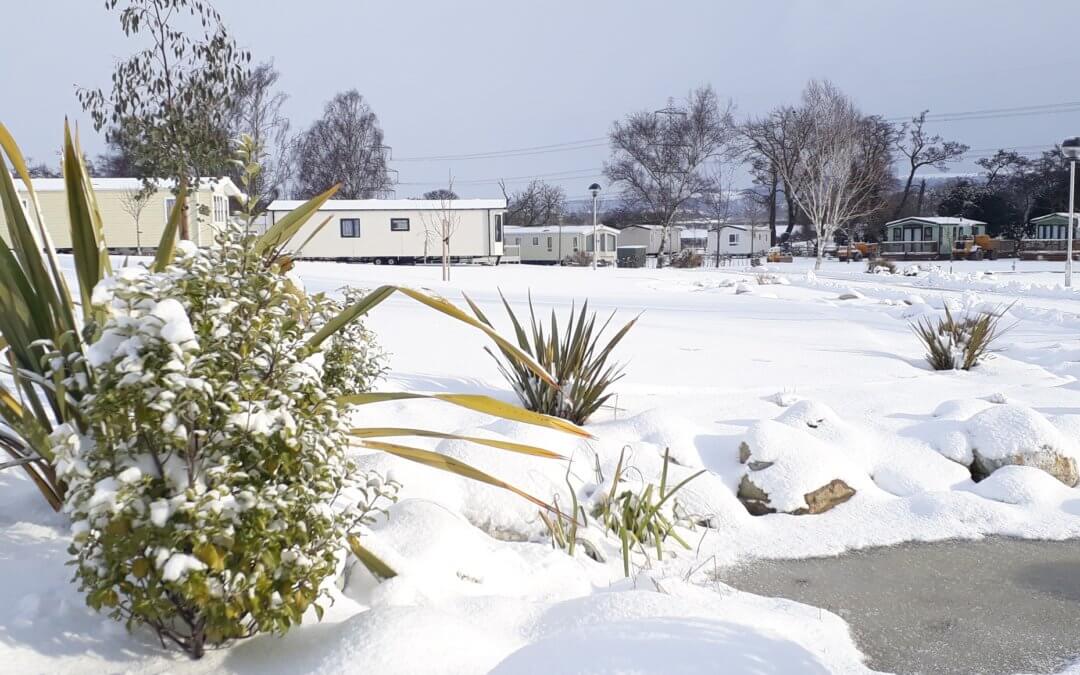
x: 822, y: 499
x: 1048, y: 459
x: 796, y: 480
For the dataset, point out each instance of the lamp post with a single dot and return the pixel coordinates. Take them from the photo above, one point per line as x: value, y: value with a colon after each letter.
x: 595, y: 190
x: 1070, y: 147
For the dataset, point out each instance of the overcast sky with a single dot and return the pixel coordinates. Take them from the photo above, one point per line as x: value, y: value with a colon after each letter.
x: 464, y: 76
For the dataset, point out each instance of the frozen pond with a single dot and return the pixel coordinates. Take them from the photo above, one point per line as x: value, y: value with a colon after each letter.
x: 991, y: 606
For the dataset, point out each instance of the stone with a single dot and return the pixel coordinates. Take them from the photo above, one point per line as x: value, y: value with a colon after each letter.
x: 828, y: 496
x: 1057, y: 465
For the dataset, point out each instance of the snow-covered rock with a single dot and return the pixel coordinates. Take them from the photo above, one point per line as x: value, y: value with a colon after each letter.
x: 790, y: 471
x: 1012, y: 434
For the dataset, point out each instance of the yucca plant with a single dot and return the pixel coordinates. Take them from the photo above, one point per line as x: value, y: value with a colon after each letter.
x: 959, y: 343
x: 577, y: 377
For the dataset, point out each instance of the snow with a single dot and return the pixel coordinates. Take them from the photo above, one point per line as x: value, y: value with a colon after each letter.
x: 824, y: 388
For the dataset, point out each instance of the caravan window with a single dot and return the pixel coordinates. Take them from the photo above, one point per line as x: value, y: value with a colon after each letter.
x: 498, y: 227
x: 350, y: 227
x: 928, y: 233
x: 399, y: 224
x: 549, y: 243
x: 574, y: 243
x: 536, y: 241
x: 733, y: 239
x: 589, y: 243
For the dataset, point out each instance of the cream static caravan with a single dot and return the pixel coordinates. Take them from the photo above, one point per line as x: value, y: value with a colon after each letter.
x: 389, y: 231
x: 209, y: 207
x: 548, y: 244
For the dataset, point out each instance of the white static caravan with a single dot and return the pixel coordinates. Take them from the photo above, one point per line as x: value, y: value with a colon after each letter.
x: 541, y: 245
x: 650, y: 237
x: 739, y: 241
x: 389, y: 231
x: 133, y: 220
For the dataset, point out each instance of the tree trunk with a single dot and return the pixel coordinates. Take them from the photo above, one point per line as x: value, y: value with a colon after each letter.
x: 772, y: 211
x: 904, y: 194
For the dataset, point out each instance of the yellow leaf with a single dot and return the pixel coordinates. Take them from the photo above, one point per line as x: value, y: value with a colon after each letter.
x: 387, y: 432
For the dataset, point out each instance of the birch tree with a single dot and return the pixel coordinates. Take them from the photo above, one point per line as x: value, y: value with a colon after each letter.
x: 657, y: 158
x: 837, y: 175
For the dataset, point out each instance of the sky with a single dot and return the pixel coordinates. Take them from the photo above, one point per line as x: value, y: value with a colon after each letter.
x: 475, y: 76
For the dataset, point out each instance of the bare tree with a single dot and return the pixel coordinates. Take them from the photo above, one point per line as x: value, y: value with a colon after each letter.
x: 921, y: 150
x: 344, y: 146
x: 658, y: 157
x: 718, y: 198
x: 765, y: 142
x: 256, y: 110
x: 538, y: 204
x: 134, y: 202
x: 841, y: 166
x: 440, y: 224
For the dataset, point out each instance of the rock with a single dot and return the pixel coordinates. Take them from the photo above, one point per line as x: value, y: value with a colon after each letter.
x: 742, y: 289
x: 851, y: 294
x: 1057, y: 465
x: 827, y: 496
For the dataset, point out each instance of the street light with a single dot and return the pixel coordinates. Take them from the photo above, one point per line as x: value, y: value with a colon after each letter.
x: 1070, y: 147
x: 595, y: 190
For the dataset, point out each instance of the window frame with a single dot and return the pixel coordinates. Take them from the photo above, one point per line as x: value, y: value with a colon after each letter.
x: 498, y: 227
x: 733, y: 239
x: 354, y: 228
x: 221, y: 208
x: 550, y: 243
x: 397, y: 222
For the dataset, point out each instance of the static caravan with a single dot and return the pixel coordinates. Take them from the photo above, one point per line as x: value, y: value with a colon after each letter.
x: 694, y: 238
x: 929, y: 238
x: 133, y: 220
x: 390, y: 231
x: 650, y: 236
x: 738, y: 241
x: 548, y: 244
x: 1049, y: 238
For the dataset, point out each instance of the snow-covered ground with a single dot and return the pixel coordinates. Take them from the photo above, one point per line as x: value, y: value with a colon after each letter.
x: 823, y: 387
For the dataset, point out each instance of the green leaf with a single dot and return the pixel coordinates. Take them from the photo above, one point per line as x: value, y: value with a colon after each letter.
x: 390, y: 432
x: 476, y: 402
x: 372, y: 562
x: 451, y: 465
x: 166, y: 249
x: 281, y: 232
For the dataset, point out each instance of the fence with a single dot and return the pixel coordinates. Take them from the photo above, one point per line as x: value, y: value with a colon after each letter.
x: 909, y: 247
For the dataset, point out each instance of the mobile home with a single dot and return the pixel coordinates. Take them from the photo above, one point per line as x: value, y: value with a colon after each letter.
x: 929, y: 238
x: 1049, y: 238
x: 133, y: 220
x: 389, y: 231
x: 548, y: 244
x: 738, y: 240
x: 650, y: 236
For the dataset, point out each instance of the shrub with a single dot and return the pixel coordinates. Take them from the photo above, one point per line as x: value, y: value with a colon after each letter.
x: 638, y: 518
x: 958, y: 343
x: 579, y: 374
x: 873, y: 266
x: 687, y: 258
x: 578, y: 259
x: 202, y: 497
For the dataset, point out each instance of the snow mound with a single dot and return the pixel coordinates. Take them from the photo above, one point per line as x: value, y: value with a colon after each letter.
x: 1007, y: 430
x: 1024, y: 485
x: 787, y: 463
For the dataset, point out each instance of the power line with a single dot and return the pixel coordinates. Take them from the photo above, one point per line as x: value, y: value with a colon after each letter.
x: 601, y: 141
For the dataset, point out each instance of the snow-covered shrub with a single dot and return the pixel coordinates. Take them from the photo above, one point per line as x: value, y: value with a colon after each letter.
x: 203, y: 498
x: 954, y: 343
x: 687, y: 258
x: 880, y: 266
